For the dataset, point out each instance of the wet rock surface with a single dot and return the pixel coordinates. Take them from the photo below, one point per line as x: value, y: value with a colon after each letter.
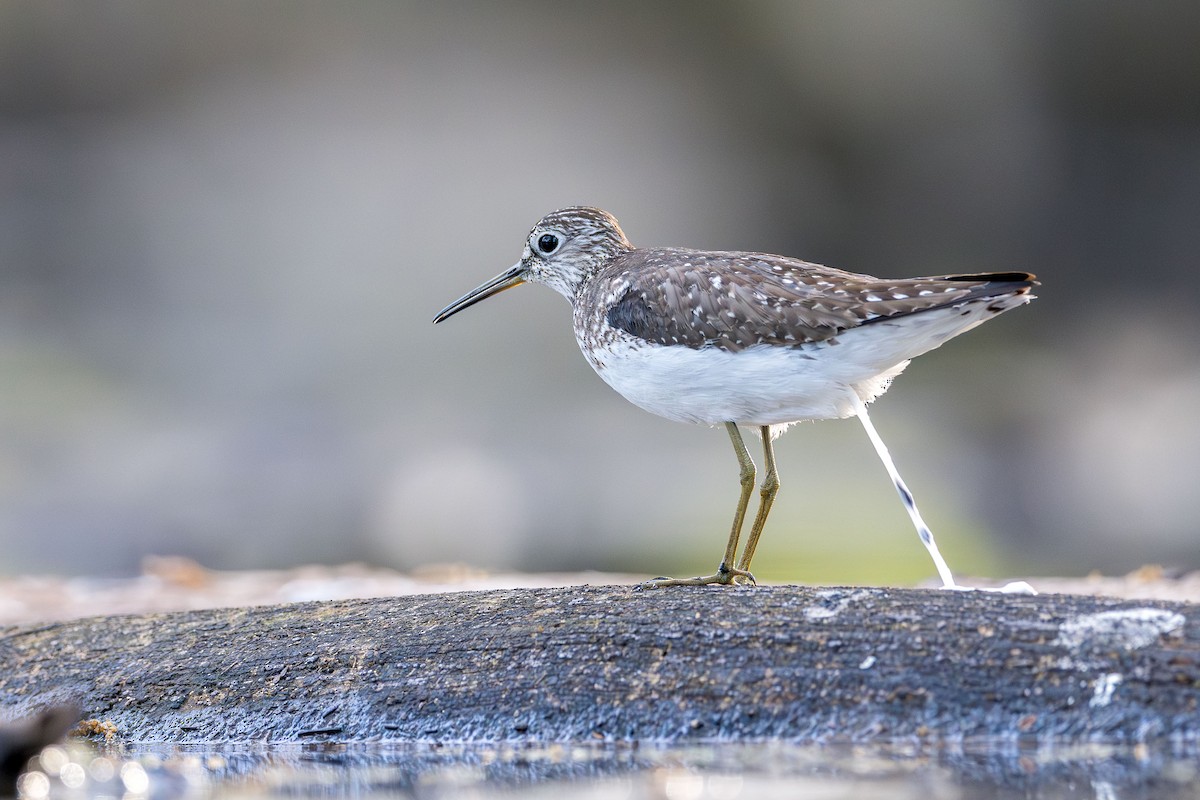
x: 607, y: 663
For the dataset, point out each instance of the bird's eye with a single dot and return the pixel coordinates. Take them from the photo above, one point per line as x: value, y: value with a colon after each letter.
x: 547, y: 243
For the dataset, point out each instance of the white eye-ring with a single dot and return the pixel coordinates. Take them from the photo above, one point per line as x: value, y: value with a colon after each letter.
x: 545, y: 242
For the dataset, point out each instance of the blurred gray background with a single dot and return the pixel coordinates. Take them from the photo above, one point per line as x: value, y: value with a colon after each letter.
x: 225, y: 227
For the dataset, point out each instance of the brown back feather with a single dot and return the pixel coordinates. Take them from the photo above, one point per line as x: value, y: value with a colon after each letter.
x: 735, y: 300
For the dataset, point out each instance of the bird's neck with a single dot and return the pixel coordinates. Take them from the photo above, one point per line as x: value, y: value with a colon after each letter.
x: 572, y: 280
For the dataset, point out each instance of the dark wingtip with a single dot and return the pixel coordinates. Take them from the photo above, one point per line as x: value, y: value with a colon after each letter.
x: 997, y: 277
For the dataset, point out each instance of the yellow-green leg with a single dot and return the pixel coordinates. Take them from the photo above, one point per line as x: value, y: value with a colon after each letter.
x: 726, y: 573
x: 770, y: 487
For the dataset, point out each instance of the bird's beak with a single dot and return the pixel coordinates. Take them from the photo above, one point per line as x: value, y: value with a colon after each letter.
x: 513, y: 276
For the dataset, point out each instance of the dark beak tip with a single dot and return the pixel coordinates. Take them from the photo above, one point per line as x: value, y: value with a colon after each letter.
x: 505, y: 280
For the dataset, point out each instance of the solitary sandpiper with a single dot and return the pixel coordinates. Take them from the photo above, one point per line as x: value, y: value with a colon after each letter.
x: 749, y: 339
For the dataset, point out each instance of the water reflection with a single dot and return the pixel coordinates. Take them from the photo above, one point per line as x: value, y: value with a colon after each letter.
x: 758, y: 770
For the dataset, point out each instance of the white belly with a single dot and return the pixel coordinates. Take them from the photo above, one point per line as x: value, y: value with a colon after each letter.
x: 759, y: 386
x: 767, y: 385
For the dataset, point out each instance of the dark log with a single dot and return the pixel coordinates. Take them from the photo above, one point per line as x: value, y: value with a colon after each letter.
x: 609, y: 663
x: 22, y: 740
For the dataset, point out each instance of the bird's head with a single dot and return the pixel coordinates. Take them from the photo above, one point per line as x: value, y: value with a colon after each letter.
x: 562, y: 251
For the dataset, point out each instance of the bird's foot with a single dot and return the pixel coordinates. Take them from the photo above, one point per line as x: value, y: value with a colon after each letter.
x: 724, y: 576
x: 1014, y: 587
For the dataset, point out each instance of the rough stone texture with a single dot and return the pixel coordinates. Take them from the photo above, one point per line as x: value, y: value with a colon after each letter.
x: 583, y: 663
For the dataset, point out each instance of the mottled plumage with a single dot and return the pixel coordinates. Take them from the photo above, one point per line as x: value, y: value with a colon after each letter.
x: 745, y: 338
x: 734, y: 300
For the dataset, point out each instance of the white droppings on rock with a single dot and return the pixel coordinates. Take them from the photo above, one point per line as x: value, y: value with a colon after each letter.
x: 1103, y: 690
x: 836, y: 602
x: 1127, y: 628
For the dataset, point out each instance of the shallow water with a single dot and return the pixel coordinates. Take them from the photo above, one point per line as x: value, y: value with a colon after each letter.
x: 726, y: 771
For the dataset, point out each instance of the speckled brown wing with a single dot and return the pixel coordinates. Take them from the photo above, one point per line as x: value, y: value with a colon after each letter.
x: 734, y: 300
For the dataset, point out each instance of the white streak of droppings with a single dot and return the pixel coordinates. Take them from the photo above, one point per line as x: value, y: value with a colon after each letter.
x: 1128, y: 628
x: 835, y: 603
x: 1106, y: 684
x: 867, y: 662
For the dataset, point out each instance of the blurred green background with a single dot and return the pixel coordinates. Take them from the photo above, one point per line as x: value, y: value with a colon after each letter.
x: 225, y: 227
